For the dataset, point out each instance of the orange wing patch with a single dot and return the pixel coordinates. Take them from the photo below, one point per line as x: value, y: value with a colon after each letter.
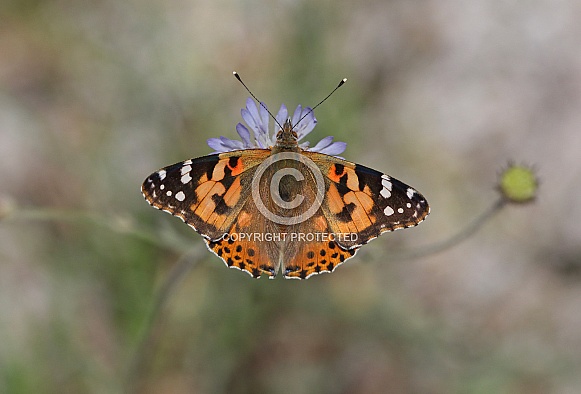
x: 362, y: 205
x: 350, y: 206
x: 232, y: 165
x: 207, y: 204
x: 340, y: 174
x: 340, y: 220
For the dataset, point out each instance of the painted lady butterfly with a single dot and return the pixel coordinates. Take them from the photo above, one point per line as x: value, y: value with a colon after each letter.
x: 277, y: 205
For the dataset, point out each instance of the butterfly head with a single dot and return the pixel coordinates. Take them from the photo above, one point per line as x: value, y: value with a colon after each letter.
x: 287, y: 137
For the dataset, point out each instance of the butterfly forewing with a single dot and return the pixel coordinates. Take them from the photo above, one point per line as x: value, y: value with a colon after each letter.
x: 208, y: 192
x: 365, y: 202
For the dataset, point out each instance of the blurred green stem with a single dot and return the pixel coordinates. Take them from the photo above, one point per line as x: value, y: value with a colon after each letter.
x: 463, y: 234
x: 147, y: 343
x: 117, y: 224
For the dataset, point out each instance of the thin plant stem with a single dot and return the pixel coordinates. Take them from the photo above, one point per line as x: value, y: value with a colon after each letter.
x: 463, y: 234
x: 117, y: 224
x: 147, y: 343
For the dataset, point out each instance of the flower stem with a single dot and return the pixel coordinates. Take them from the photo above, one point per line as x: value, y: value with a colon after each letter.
x: 459, y: 237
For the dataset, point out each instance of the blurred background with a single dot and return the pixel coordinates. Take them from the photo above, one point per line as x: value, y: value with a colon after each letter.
x: 100, y: 293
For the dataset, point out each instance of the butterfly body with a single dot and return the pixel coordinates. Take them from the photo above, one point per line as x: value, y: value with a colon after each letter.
x: 283, y: 209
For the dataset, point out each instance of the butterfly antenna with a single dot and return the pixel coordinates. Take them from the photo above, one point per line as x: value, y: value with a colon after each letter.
x: 322, y: 101
x: 257, y: 100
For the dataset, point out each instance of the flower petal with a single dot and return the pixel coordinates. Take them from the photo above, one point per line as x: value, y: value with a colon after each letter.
x: 325, y: 142
x: 232, y: 144
x: 251, y: 108
x: 224, y: 144
x: 215, y: 144
x: 280, y: 117
x: 297, y: 115
x: 248, y: 118
x: 264, y: 118
x: 306, y: 124
x: 334, y: 149
x: 244, y: 134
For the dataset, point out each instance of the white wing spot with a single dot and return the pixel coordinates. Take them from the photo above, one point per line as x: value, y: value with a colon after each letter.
x: 168, y: 193
x: 409, y: 205
x: 161, y: 174
x: 385, y: 182
x: 410, y: 193
x: 186, y: 169
x: 186, y: 178
x: 187, y: 162
x: 400, y: 210
x: 162, y: 187
x: 180, y: 196
x: 388, y: 211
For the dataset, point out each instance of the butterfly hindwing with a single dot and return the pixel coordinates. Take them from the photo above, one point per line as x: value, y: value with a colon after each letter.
x: 238, y: 251
x: 318, y: 255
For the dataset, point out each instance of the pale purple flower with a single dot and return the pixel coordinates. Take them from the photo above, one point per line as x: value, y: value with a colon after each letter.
x: 258, y: 120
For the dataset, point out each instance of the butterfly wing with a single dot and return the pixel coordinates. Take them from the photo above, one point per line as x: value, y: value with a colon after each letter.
x: 318, y: 255
x: 366, y: 202
x: 360, y: 204
x: 207, y: 193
